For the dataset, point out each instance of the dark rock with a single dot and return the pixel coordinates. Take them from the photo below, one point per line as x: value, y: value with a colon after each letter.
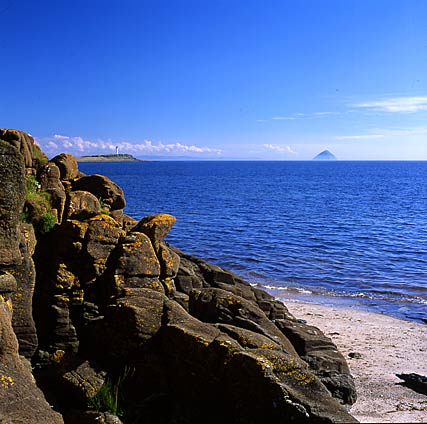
x: 21, y: 400
x: 110, y: 194
x: 83, y: 382
x: 169, y: 261
x: 90, y: 417
x: 8, y: 283
x: 219, y: 306
x: 136, y: 256
x: 101, y: 238
x: 49, y: 177
x: 124, y: 220
x: 323, y: 357
x: 12, y: 195
x: 67, y: 165
x: 156, y: 227
x: 60, y: 330
x: 129, y: 323
x: 81, y: 205
x: 247, y: 338
x: 355, y: 355
x: 22, y: 321
x: 200, y: 355
x: 414, y: 381
x: 23, y: 143
x: 57, y: 201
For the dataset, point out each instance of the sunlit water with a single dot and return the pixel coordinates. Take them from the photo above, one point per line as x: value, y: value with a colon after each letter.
x: 352, y: 233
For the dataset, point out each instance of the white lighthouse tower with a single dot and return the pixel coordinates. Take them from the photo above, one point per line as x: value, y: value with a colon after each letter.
x: 117, y: 150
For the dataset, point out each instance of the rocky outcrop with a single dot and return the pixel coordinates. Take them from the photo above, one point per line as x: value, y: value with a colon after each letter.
x: 122, y: 315
x: 21, y: 400
x: 12, y: 195
x: 102, y: 188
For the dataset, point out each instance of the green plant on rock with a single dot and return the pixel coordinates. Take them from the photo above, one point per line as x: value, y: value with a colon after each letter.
x: 109, y: 397
x: 104, y: 208
x: 38, y: 155
x: 31, y: 185
x: 38, y: 208
x: 46, y: 223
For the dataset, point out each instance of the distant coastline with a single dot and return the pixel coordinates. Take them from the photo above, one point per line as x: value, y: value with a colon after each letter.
x: 109, y: 158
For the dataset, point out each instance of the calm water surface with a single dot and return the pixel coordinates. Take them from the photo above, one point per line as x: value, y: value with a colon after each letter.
x: 350, y: 233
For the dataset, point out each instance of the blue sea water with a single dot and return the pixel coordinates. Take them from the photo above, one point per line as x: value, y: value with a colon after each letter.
x: 344, y: 233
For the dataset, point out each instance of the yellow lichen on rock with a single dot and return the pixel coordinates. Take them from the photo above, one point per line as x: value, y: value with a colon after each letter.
x: 6, y: 381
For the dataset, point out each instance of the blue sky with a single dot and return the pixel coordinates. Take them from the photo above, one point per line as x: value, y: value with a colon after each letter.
x: 218, y: 79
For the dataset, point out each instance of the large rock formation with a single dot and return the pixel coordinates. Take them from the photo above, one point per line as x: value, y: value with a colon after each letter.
x: 128, y: 324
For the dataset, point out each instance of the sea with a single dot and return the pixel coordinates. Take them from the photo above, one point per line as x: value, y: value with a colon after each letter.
x: 339, y: 233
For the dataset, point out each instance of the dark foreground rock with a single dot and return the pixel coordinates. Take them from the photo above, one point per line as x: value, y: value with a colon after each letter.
x: 130, y: 328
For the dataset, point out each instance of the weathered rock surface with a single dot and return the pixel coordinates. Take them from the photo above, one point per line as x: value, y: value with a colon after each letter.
x: 21, y: 400
x: 23, y: 143
x: 172, y: 337
x: 12, y: 195
x: 102, y: 188
x: 67, y: 165
x: 23, y: 322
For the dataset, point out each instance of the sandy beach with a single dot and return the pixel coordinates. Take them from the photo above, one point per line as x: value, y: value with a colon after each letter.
x: 384, y: 346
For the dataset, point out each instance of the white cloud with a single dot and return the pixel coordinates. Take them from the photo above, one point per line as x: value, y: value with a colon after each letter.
x: 403, y: 131
x: 396, y: 104
x: 359, y: 137
x: 279, y: 149
x: 385, y: 132
x: 52, y: 145
x: 283, y: 118
x: 80, y: 146
x: 149, y: 147
x: 318, y: 114
x: 60, y: 137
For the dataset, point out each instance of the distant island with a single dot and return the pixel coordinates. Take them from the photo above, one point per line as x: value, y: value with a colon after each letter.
x: 109, y: 158
x: 325, y: 155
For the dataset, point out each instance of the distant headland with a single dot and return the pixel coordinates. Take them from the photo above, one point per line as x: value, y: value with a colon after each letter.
x: 109, y: 158
x: 325, y: 155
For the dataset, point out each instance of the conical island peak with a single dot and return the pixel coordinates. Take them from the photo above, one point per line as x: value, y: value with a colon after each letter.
x: 325, y: 155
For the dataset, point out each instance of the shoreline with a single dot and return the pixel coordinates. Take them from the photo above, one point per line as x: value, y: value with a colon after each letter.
x: 364, y: 304
x: 387, y: 346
